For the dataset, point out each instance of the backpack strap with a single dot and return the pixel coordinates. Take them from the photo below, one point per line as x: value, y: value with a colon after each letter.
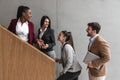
x: 63, y: 46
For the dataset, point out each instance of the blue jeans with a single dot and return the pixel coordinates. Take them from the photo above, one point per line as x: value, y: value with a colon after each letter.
x: 51, y: 54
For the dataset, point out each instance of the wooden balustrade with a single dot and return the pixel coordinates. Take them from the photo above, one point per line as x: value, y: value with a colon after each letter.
x: 21, y: 61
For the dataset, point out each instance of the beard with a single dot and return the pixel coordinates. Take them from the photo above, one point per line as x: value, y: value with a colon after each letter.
x: 88, y: 35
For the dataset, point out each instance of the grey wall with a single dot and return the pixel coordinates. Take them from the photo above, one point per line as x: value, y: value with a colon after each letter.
x: 73, y: 15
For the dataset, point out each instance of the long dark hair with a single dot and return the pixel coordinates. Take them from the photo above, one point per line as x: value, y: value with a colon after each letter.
x: 20, y: 10
x: 43, y: 19
x: 69, y: 38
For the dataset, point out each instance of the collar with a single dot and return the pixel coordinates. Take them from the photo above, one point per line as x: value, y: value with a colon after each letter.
x: 93, y: 38
x: 43, y: 30
x: 24, y: 22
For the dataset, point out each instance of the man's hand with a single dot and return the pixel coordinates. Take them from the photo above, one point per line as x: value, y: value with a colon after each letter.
x: 90, y: 65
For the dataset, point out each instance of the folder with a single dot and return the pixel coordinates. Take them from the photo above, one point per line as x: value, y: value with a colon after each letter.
x: 90, y: 57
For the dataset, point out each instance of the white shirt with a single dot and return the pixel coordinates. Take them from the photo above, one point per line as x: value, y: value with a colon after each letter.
x: 42, y: 32
x: 22, y: 30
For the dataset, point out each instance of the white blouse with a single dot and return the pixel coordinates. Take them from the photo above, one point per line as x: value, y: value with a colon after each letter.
x: 42, y: 32
x: 22, y: 30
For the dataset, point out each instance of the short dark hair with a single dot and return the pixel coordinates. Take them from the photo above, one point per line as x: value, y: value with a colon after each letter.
x: 43, y: 19
x: 95, y: 26
x: 20, y: 10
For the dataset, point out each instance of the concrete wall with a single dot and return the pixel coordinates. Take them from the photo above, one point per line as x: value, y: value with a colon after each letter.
x: 73, y: 15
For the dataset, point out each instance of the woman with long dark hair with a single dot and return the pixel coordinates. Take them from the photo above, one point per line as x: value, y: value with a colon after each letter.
x: 46, y: 38
x: 71, y: 67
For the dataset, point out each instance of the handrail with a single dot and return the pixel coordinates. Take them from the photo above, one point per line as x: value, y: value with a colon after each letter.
x: 21, y: 61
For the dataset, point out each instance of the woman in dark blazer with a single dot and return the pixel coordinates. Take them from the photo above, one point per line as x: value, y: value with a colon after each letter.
x: 46, y: 38
x: 22, y: 26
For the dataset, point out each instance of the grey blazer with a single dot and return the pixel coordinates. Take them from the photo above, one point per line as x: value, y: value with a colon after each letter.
x: 69, y: 60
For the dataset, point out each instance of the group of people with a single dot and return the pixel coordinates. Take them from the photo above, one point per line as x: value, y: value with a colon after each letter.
x: 45, y: 40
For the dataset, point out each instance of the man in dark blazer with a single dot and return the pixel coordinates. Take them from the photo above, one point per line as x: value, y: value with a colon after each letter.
x: 99, y: 47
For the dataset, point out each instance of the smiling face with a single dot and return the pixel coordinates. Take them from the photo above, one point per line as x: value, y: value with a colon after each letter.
x: 46, y: 23
x: 27, y: 14
x: 61, y: 37
x: 90, y: 31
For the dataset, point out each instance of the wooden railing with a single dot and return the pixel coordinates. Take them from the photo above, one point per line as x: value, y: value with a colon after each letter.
x: 21, y: 61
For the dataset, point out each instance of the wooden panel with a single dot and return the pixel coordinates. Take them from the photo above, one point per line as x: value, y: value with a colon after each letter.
x: 1, y: 67
x: 21, y: 61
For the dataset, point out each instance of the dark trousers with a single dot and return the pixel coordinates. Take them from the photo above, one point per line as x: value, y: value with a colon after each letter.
x: 69, y: 76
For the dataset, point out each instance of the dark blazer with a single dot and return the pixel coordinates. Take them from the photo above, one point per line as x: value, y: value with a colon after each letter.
x: 48, y: 38
x: 31, y: 35
x: 101, y: 48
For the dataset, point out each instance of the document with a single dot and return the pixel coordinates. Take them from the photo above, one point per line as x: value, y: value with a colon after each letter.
x: 90, y: 57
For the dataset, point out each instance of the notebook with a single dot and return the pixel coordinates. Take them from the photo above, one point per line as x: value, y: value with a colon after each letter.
x: 90, y: 57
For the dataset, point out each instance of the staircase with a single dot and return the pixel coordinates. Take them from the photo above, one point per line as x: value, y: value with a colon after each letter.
x: 21, y: 61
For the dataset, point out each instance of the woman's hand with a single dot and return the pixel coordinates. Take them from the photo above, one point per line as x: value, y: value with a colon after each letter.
x: 45, y: 46
x: 40, y: 43
x: 61, y: 73
x: 58, y: 60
